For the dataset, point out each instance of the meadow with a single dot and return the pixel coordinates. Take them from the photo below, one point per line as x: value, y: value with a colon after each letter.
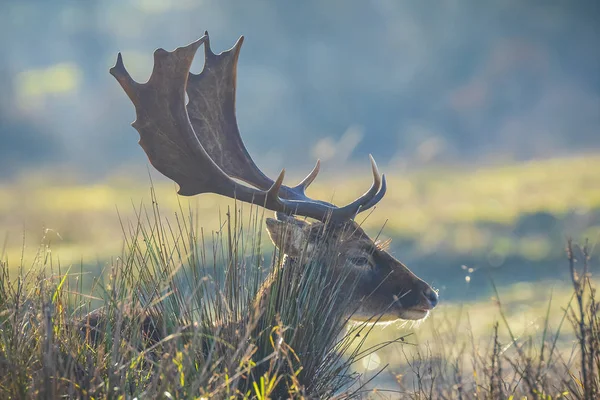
x: 455, y: 210
x: 491, y: 239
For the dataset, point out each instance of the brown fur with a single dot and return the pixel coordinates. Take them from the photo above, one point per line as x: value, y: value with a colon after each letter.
x: 386, y: 290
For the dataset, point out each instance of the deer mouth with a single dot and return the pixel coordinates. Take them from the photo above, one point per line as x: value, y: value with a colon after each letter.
x: 419, y: 309
x: 406, y: 314
x: 413, y: 314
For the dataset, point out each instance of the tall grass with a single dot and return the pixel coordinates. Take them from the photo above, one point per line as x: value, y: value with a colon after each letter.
x: 183, y: 313
x: 552, y: 363
x: 178, y: 315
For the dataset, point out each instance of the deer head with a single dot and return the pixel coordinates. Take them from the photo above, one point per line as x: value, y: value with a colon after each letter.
x: 198, y: 146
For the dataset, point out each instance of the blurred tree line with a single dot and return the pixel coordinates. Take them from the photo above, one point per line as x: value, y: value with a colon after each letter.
x: 408, y: 81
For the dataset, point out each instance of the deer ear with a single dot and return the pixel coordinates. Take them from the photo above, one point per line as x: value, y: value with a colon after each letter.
x: 288, y: 234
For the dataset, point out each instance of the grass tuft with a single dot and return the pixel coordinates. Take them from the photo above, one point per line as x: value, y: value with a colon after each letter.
x: 180, y: 315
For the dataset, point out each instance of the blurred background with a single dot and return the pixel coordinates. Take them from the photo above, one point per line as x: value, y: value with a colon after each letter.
x: 484, y: 115
x: 410, y: 82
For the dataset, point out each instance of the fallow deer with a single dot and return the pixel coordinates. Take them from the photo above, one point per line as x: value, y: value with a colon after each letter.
x: 198, y: 145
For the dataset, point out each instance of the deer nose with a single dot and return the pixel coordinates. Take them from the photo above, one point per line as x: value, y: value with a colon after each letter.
x: 431, y: 295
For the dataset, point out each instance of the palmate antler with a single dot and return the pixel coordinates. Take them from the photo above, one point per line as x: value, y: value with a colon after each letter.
x: 200, y: 147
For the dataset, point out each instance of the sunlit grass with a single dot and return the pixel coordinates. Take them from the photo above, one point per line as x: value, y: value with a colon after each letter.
x: 447, y: 209
x: 494, y: 194
x: 440, y: 209
x: 524, y: 304
x: 457, y: 349
x: 174, y: 318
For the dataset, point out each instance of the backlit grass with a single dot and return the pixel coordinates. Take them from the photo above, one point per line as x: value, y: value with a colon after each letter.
x: 537, y: 340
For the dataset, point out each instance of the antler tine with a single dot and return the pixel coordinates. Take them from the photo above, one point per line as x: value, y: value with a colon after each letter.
x: 123, y: 77
x: 374, y: 168
x: 349, y: 211
x: 305, y: 183
x: 273, y: 192
x: 377, y: 197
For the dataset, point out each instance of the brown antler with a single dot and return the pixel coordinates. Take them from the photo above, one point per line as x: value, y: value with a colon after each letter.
x: 200, y: 147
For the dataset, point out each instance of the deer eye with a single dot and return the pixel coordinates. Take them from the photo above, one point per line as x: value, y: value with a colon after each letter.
x: 360, y: 260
